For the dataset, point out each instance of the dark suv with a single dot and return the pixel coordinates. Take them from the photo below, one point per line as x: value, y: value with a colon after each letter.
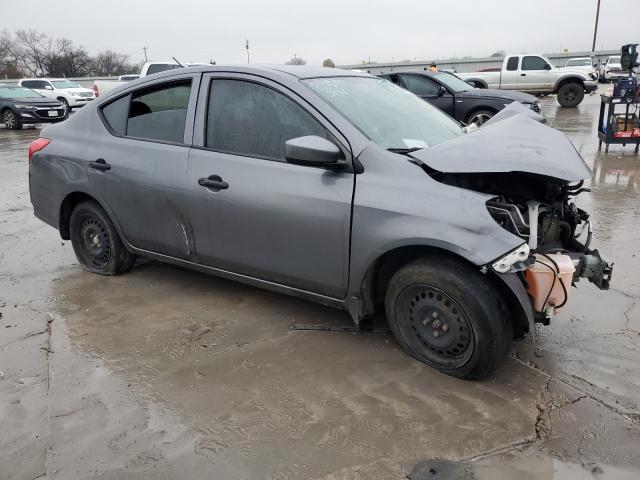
x: 20, y: 106
x: 457, y: 98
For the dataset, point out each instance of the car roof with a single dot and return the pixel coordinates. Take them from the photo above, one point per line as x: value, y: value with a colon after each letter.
x: 298, y: 71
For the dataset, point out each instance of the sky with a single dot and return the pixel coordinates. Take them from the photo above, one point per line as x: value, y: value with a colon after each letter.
x: 347, y: 31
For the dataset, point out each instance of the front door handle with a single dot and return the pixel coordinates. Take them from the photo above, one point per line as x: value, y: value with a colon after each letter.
x: 523, y: 74
x: 213, y: 182
x: 100, y: 164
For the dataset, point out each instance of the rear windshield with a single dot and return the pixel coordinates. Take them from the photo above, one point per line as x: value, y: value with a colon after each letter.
x: 18, y: 92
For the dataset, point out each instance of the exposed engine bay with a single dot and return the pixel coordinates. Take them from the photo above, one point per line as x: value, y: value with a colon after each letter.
x: 541, y: 210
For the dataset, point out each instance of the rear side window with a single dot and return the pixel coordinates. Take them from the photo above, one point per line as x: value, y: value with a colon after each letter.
x: 419, y: 85
x: 116, y: 113
x: 512, y: 64
x: 533, y: 63
x: 161, y: 67
x: 159, y: 114
x: 37, y: 84
x: 245, y: 118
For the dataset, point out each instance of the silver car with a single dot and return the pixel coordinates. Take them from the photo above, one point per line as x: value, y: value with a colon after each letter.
x: 330, y: 185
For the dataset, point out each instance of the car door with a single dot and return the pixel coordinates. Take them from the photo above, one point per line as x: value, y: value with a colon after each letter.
x: 269, y: 219
x: 138, y: 163
x: 429, y: 90
x: 510, y: 74
x: 535, y: 74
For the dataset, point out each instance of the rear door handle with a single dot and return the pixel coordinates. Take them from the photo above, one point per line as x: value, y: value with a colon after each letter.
x: 100, y: 164
x: 523, y: 74
x: 213, y: 182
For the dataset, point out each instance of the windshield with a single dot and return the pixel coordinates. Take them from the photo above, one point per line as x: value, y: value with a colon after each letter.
x: 18, y: 92
x: 613, y: 60
x: 65, y: 84
x: 388, y: 115
x: 579, y: 62
x: 452, y: 82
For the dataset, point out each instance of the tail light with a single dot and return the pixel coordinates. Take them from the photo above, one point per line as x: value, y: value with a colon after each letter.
x: 37, y: 145
x: 96, y: 93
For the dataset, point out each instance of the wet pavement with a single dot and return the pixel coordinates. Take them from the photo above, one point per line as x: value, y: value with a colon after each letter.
x: 168, y: 373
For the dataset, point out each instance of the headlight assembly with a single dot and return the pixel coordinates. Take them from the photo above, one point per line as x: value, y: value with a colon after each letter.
x: 20, y: 106
x: 504, y: 264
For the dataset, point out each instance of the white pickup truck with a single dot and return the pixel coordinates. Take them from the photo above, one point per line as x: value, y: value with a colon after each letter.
x: 534, y: 74
x: 101, y: 87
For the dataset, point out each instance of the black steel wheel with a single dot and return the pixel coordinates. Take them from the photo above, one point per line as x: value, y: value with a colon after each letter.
x: 441, y: 328
x: 96, y: 242
x: 11, y: 120
x: 570, y: 95
x: 446, y: 314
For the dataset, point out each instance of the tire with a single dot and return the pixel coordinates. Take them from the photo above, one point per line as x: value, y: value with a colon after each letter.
x: 570, y: 95
x: 11, y: 120
x: 65, y: 102
x: 479, y: 117
x: 96, y: 242
x: 446, y: 314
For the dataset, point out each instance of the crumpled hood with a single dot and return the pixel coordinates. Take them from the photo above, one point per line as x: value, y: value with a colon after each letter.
x: 516, y: 144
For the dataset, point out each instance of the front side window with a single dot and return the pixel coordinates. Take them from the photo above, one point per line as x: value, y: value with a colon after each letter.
x: 512, y: 64
x: 245, y: 118
x: 160, y: 113
x: 421, y: 86
x: 65, y: 84
x: 533, y: 63
x: 385, y: 113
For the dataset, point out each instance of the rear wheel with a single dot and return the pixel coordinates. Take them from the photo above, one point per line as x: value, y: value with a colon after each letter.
x: 570, y: 95
x: 96, y: 242
x: 479, y: 117
x: 446, y: 314
x: 11, y: 120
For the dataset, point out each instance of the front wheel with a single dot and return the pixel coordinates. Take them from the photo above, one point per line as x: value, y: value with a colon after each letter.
x: 447, y: 315
x: 11, y: 120
x: 570, y: 95
x: 96, y: 242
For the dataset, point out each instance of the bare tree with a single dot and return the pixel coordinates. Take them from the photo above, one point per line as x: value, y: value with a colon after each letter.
x: 30, y: 47
x: 295, y: 60
x: 328, y: 63
x: 109, y: 63
x: 64, y: 59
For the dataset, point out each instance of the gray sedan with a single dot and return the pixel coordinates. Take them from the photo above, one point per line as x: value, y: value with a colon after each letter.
x: 330, y: 185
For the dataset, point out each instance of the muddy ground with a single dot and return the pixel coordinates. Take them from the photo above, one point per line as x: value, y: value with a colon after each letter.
x: 166, y: 373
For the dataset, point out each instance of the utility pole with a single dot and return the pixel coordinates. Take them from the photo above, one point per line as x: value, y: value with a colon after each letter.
x: 246, y: 45
x: 595, y: 30
x: 145, y: 54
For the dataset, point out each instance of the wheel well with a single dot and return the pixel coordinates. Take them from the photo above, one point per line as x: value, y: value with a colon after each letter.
x: 68, y: 204
x: 478, y: 83
x: 564, y: 81
x: 61, y: 98
x: 379, y: 274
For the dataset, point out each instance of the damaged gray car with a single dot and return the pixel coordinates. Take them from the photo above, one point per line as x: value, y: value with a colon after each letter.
x: 334, y: 186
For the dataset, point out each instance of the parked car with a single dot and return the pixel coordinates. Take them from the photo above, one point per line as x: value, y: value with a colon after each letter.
x: 534, y: 74
x: 611, y: 69
x: 102, y: 87
x: 582, y: 64
x: 330, y: 185
x: 20, y: 106
x: 457, y: 98
x: 65, y: 91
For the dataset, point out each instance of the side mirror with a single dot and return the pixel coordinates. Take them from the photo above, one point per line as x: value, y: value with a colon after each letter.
x: 547, y: 66
x: 441, y: 90
x: 48, y: 87
x: 312, y: 150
